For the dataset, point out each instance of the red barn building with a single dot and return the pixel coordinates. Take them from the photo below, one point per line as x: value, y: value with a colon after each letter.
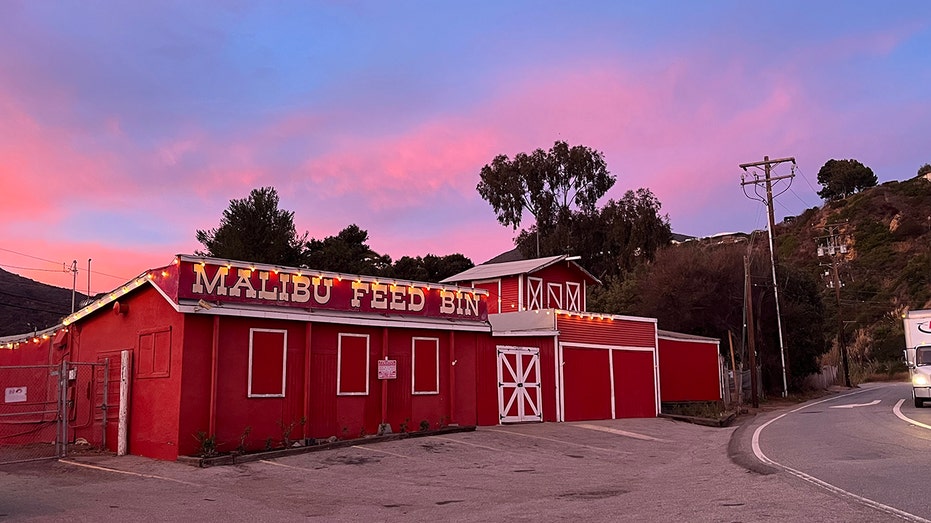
x: 248, y: 352
x: 557, y: 362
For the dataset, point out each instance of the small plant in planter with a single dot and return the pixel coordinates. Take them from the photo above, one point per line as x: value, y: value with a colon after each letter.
x: 287, y: 429
x: 403, y: 426
x: 268, y: 443
x: 241, y: 448
x: 424, y: 425
x: 206, y: 444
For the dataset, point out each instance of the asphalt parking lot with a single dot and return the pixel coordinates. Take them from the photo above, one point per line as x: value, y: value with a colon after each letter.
x: 619, y: 470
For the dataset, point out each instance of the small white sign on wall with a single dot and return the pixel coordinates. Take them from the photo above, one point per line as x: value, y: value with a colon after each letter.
x: 15, y: 394
x: 387, y: 369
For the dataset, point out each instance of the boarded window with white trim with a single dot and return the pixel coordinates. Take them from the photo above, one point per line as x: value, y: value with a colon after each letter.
x: 425, y: 363
x: 268, y: 355
x: 554, y: 295
x: 352, y: 365
x: 534, y: 293
x: 154, y: 357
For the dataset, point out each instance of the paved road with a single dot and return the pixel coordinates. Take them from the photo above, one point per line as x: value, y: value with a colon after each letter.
x: 870, y: 444
x: 622, y: 470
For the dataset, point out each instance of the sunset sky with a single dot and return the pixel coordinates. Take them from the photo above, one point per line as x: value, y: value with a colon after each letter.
x: 125, y: 126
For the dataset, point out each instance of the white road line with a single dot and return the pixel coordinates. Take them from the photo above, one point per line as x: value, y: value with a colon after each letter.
x: 469, y: 444
x: 128, y: 473
x: 897, y: 410
x: 381, y: 451
x: 852, y: 405
x: 823, y: 484
x: 275, y: 463
x: 614, y: 451
x: 620, y: 432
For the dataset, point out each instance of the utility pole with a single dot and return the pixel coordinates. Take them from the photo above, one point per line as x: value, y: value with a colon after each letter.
x: 751, y: 327
x: 767, y: 181
x: 834, y: 247
x: 74, y: 281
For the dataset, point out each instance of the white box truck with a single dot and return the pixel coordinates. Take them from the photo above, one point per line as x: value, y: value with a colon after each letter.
x: 918, y: 354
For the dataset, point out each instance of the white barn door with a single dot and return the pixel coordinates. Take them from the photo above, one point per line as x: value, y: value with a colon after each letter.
x: 519, y: 384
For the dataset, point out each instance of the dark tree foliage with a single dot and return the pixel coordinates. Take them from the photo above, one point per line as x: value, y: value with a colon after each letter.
x: 699, y: 289
x: 430, y: 268
x: 255, y: 229
x: 611, y: 240
x: 547, y: 184
x: 924, y: 169
x: 805, y: 332
x: 841, y: 178
x: 347, y: 252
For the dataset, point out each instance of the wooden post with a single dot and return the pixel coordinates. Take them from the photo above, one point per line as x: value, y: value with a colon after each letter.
x: 751, y: 327
x: 123, y: 427
x: 737, y: 391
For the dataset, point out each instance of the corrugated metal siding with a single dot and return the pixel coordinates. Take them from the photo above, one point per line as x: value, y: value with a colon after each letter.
x: 510, y: 296
x: 625, y: 333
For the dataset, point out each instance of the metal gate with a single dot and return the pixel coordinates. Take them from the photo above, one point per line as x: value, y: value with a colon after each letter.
x: 49, y: 411
x: 519, y: 384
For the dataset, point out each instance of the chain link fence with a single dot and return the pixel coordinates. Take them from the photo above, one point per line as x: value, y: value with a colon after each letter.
x: 49, y: 410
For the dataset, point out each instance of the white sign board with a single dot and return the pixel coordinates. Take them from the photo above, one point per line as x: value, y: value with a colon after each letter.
x: 15, y: 394
x: 387, y: 369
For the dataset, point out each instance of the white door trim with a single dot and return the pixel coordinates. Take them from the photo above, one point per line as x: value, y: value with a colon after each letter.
x: 515, y: 381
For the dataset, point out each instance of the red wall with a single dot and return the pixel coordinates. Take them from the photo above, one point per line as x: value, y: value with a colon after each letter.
x: 510, y: 295
x: 154, y: 418
x: 235, y: 411
x: 689, y: 371
x: 493, y: 294
x: 618, y: 332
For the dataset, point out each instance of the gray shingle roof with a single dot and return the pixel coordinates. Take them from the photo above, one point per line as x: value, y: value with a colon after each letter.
x: 487, y: 271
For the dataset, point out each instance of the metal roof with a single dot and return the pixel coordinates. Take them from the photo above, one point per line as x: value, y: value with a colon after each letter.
x: 684, y: 337
x: 487, y: 271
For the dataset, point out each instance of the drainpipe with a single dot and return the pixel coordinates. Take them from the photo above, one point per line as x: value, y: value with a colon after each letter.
x: 384, y: 383
x: 452, y: 377
x: 215, y: 348
x: 307, y: 375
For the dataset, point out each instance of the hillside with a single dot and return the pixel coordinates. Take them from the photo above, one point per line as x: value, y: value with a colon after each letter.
x: 27, y: 305
x: 886, y: 270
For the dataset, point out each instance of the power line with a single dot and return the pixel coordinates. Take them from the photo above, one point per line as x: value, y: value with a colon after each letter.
x: 31, y: 256
x: 61, y: 312
x: 798, y: 170
x: 5, y: 266
x: 122, y: 278
x: 52, y: 261
x: 30, y: 298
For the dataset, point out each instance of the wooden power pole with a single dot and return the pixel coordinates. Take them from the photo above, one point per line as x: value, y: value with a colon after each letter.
x: 833, y: 246
x: 767, y: 182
